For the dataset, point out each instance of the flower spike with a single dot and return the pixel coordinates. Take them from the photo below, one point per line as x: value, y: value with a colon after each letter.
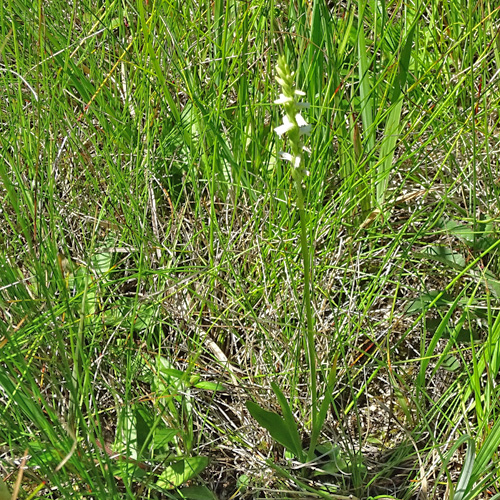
x: 294, y: 125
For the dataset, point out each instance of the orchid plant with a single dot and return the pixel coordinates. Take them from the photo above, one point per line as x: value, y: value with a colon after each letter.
x: 295, y: 127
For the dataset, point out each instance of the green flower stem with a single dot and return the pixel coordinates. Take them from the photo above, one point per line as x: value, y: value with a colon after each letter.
x: 310, y: 344
x: 295, y: 127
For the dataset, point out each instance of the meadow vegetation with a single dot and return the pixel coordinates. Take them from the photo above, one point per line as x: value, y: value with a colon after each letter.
x: 194, y: 305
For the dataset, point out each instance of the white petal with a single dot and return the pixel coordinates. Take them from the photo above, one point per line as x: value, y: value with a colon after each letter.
x: 305, y: 129
x: 297, y: 162
x: 283, y: 129
x: 300, y: 121
x: 283, y: 99
x: 285, y: 156
x: 299, y: 92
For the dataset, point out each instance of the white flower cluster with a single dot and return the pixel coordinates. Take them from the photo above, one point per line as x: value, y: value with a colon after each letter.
x: 293, y: 123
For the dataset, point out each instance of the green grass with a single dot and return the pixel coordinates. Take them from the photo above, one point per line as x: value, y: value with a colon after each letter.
x: 151, y: 274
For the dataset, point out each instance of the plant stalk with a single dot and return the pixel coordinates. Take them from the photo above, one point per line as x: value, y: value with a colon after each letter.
x: 309, y: 338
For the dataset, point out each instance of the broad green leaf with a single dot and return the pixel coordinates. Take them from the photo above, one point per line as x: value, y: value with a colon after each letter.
x: 173, y: 373
x: 151, y: 430
x: 169, y: 379
x: 116, y: 22
x: 491, y: 280
x: 44, y: 456
x: 171, y: 389
x: 163, y: 436
x: 101, y: 262
x: 145, y: 428
x: 444, y: 255
x: 465, y: 233
x: 485, y: 242
x: 450, y: 363
x: 196, y: 493
x: 458, y: 333
x: 242, y: 482
x: 4, y: 491
x: 210, y: 386
x: 126, y: 313
x: 166, y: 369
x: 422, y: 302
x: 479, y: 240
x: 332, y: 459
x: 129, y: 469
x: 180, y: 471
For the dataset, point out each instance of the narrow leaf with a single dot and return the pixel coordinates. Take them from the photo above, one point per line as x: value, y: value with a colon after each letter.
x: 365, y: 89
x: 275, y: 425
x: 290, y: 422
x: 391, y: 132
x: 435, y: 339
x: 467, y: 470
